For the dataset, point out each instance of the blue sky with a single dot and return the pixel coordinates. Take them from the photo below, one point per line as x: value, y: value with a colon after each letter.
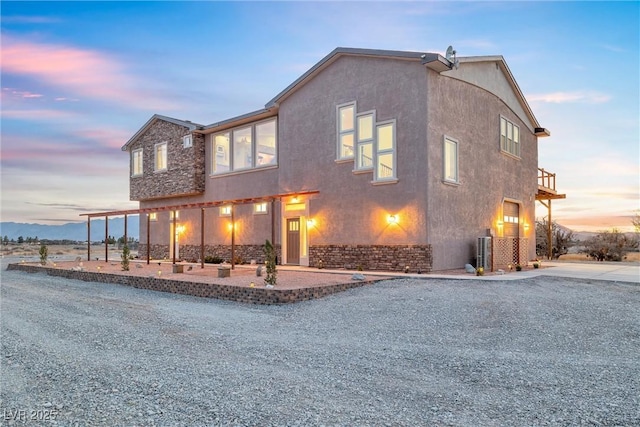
x: 80, y: 78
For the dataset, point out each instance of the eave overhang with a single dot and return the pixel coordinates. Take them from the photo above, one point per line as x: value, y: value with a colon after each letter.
x: 185, y: 123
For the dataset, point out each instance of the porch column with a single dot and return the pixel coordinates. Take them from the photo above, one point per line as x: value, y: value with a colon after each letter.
x: 106, y: 239
x: 233, y: 237
x: 202, y: 238
x: 175, y: 234
x: 88, y: 238
x: 126, y: 241
x: 148, y: 237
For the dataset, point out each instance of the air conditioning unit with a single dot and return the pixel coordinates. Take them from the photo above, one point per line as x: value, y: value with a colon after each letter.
x: 483, y: 253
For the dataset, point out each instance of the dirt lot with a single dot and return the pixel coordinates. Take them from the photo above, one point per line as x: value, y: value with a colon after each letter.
x: 538, y: 351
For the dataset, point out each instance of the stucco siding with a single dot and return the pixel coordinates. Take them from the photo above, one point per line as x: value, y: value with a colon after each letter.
x: 458, y: 214
x: 349, y: 208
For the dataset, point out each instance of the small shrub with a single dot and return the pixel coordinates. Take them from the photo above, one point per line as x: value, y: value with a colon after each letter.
x: 518, y: 267
x: 480, y: 271
x: 270, y: 261
x: 126, y: 254
x: 44, y: 254
x: 210, y: 259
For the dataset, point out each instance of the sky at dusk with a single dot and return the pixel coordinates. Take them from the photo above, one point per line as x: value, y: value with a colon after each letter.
x: 80, y: 78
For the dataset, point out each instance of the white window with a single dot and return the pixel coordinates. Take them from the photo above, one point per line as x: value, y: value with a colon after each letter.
x: 244, y: 148
x: 346, y: 130
x: 153, y: 216
x: 260, y: 208
x: 221, y: 153
x: 450, y: 159
x: 160, y: 157
x: 177, y: 214
x: 385, y: 165
x: 187, y: 141
x: 136, y: 162
x: 225, y: 210
x: 509, y: 137
x: 364, y: 146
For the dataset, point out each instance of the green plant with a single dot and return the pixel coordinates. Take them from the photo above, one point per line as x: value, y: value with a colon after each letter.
x: 480, y: 271
x: 210, y: 259
x: 44, y: 254
x: 270, y: 263
x: 126, y: 253
x: 536, y: 265
x: 518, y: 267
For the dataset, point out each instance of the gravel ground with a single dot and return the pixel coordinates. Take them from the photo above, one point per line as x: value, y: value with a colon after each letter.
x: 437, y: 352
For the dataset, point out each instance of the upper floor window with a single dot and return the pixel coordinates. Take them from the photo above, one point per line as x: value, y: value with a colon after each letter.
x: 225, y: 210
x: 450, y: 159
x: 385, y: 165
x: 160, y: 157
x: 136, y: 162
x: 187, y: 141
x: 248, y: 147
x: 346, y: 130
x: 153, y: 216
x: 509, y: 137
x: 364, y: 145
x: 174, y: 213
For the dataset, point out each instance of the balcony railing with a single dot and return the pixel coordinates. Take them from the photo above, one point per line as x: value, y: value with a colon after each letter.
x: 546, y: 180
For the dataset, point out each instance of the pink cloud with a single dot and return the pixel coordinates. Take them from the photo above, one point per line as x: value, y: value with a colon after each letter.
x: 87, y: 73
x: 589, y: 97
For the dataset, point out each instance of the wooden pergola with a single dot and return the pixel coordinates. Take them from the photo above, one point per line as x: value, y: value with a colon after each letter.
x: 173, y: 208
x: 546, y: 193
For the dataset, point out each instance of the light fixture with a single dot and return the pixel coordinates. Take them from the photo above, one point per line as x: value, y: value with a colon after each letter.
x: 295, y: 199
x: 526, y: 226
x: 500, y: 223
x: 392, y: 219
x: 311, y: 222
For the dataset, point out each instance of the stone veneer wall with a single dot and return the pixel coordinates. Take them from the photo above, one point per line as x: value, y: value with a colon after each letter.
x: 373, y: 257
x: 206, y: 290
x: 185, y: 172
x: 191, y: 253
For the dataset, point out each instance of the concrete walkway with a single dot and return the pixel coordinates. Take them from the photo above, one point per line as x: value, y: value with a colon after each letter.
x: 611, y: 271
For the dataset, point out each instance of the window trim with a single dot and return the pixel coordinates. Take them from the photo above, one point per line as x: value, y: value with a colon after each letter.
x: 456, y: 143
x: 133, y: 162
x: 340, y: 133
x: 155, y: 157
x: 187, y: 141
x: 357, y: 142
x: 254, y: 148
x: 377, y: 152
x: 506, y: 146
x: 257, y: 208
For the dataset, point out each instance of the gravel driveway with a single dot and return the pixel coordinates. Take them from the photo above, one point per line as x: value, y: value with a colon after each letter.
x: 437, y: 352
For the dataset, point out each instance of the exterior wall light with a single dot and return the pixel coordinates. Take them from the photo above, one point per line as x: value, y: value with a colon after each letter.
x: 500, y: 223
x: 526, y: 226
x: 392, y: 219
x: 311, y: 222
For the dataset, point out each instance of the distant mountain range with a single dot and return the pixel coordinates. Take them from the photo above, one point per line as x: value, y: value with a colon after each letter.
x: 72, y: 230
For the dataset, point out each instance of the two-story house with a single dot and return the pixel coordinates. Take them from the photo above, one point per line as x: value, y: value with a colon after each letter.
x: 374, y: 159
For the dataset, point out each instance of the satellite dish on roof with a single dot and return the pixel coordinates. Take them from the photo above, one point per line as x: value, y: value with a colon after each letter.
x: 451, y: 57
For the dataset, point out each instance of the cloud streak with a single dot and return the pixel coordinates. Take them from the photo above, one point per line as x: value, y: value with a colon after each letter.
x: 85, y: 73
x: 585, y: 97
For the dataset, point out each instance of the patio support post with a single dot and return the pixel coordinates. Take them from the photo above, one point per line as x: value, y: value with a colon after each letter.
x: 106, y: 238
x: 126, y: 237
x: 148, y: 238
x: 233, y: 238
x: 201, y: 237
x: 88, y: 238
x: 273, y: 222
x: 550, y: 233
x: 175, y: 235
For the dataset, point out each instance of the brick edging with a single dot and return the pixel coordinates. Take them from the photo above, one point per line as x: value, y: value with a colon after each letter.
x: 205, y: 290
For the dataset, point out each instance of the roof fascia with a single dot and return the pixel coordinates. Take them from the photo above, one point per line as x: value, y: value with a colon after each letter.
x: 189, y: 125
x: 347, y: 51
x: 239, y: 120
x: 514, y: 85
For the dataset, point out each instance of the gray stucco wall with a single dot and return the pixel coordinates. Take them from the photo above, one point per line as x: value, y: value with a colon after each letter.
x: 349, y: 209
x: 461, y: 213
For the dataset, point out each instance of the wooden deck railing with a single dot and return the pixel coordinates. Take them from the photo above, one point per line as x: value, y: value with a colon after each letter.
x: 546, y: 179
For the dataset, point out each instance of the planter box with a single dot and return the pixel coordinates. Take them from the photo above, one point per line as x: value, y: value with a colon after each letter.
x: 224, y: 271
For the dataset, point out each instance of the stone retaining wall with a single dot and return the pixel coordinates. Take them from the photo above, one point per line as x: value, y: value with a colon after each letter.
x: 418, y: 258
x: 206, y: 290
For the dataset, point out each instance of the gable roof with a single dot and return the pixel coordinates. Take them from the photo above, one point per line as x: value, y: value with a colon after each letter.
x: 434, y: 61
x: 185, y: 123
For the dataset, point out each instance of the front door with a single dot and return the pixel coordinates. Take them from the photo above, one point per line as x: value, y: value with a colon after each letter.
x: 293, y: 240
x: 512, y: 229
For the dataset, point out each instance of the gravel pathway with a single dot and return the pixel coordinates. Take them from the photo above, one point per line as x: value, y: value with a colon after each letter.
x: 540, y: 351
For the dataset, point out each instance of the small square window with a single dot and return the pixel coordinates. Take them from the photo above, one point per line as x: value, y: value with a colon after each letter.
x: 225, y: 210
x: 153, y: 216
x: 260, y: 208
x: 187, y: 141
x: 171, y: 214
